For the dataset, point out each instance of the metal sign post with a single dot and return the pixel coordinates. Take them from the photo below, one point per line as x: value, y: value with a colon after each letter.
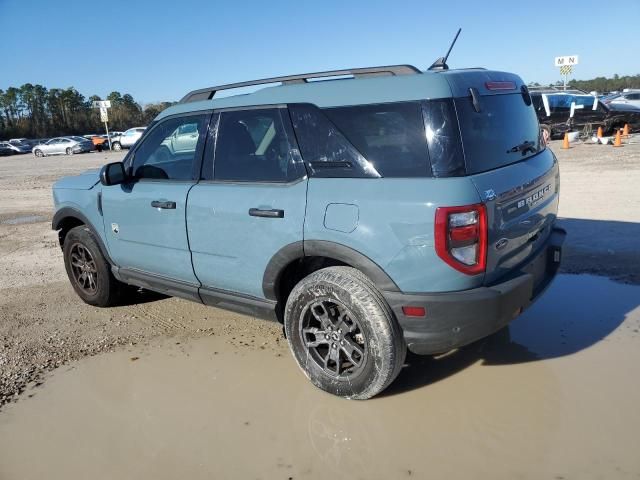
x: 103, y: 105
x: 566, y: 64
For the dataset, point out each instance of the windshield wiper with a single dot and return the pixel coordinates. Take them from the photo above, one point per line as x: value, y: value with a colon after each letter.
x: 524, y: 147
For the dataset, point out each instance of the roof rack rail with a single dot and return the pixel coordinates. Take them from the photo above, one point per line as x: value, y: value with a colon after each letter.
x: 208, y: 93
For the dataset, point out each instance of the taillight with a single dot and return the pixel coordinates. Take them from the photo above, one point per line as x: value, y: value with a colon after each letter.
x: 461, y: 237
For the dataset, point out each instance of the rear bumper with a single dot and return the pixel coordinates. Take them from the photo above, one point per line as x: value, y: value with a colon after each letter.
x: 455, y: 319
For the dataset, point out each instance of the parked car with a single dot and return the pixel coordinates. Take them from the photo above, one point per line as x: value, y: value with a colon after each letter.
x: 626, y: 98
x: 18, y: 148
x: 127, y: 139
x: 63, y: 145
x: 396, y: 209
x: 6, y: 151
x: 554, y: 113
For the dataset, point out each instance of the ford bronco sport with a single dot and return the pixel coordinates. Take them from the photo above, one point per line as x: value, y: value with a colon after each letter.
x: 369, y: 210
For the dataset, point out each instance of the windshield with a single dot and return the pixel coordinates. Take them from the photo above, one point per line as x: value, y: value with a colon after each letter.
x: 504, y: 131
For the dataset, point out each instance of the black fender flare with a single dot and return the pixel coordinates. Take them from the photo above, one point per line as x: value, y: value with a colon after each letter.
x: 323, y: 248
x: 70, y: 212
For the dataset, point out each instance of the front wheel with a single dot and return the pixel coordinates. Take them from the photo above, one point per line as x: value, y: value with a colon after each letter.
x: 116, y: 146
x: 88, y: 270
x: 38, y: 153
x: 69, y: 151
x: 343, y: 334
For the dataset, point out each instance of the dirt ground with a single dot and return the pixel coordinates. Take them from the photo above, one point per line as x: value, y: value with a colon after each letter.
x: 185, y: 390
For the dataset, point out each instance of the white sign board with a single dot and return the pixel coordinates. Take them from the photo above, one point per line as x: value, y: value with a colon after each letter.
x: 102, y: 104
x: 104, y: 117
x: 566, y: 60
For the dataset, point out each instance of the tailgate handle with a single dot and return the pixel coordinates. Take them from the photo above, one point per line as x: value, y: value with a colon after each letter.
x: 165, y: 204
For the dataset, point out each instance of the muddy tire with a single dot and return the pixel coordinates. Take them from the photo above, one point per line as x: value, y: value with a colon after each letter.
x: 116, y: 147
x: 88, y: 270
x: 343, y: 334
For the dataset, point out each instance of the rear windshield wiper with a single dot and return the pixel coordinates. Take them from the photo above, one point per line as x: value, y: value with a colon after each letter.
x: 524, y: 147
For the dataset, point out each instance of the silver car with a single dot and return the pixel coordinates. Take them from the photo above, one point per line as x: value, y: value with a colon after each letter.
x: 63, y: 145
x: 127, y: 139
x: 629, y: 98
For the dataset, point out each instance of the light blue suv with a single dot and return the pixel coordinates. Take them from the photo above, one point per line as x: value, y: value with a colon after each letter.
x: 369, y: 210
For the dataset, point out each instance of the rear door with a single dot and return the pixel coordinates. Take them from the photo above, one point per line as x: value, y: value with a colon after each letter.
x: 144, y: 219
x: 250, y: 203
x: 515, y: 175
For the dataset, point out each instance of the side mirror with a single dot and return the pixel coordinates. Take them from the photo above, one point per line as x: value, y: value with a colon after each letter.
x: 113, y: 174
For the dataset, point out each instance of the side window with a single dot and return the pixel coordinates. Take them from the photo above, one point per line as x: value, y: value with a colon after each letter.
x: 253, y: 146
x: 633, y: 96
x: 390, y: 136
x: 167, y: 153
x: 326, y: 151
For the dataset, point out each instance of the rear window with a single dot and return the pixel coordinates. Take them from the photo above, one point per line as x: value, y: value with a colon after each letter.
x: 504, y: 131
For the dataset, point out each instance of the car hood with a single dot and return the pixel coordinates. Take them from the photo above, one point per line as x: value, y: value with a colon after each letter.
x: 85, y: 181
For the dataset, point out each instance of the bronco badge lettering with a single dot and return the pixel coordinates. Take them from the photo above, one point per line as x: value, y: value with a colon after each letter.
x: 534, y: 198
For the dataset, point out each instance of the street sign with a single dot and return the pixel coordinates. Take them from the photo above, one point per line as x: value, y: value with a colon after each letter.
x: 104, y: 116
x: 566, y: 60
x: 102, y: 103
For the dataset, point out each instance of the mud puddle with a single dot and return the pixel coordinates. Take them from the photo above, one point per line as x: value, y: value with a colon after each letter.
x: 555, y: 396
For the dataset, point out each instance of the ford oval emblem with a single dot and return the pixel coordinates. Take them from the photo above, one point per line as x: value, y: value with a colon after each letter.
x: 500, y: 244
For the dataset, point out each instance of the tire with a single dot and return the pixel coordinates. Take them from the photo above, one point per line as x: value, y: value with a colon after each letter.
x: 82, y: 255
x: 546, y: 129
x: 69, y: 151
x: 340, y: 312
x: 116, y: 147
x: 38, y: 153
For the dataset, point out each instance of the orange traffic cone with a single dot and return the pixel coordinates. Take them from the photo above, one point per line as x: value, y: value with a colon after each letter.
x: 565, y: 142
x: 618, y: 140
x: 599, y: 134
x: 625, y: 131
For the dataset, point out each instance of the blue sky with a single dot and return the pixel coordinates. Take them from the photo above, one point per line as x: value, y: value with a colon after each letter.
x: 159, y: 50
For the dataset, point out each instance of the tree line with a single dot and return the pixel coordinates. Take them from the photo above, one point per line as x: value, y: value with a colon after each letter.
x: 602, y: 84
x: 33, y: 111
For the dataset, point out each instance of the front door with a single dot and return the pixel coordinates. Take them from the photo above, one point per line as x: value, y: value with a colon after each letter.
x: 250, y: 203
x: 144, y: 219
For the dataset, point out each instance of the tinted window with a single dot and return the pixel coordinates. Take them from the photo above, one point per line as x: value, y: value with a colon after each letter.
x: 326, y: 152
x: 167, y: 152
x: 253, y: 146
x: 391, y: 136
x: 443, y: 138
x: 496, y: 136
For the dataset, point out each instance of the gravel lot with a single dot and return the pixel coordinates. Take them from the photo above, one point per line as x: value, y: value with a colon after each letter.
x: 43, y: 325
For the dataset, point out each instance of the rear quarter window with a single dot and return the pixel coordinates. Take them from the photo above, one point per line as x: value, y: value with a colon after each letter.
x: 390, y: 136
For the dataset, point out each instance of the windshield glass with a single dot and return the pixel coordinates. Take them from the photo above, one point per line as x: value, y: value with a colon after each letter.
x: 504, y: 131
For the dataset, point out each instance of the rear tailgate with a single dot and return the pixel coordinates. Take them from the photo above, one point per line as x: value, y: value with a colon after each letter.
x: 515, y: 175
x: 522, y: 203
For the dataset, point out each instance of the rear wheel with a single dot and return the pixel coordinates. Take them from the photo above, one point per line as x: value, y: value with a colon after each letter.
x: 343, y: 334
x: 88, y: 270
x: 69, y: 151
x: 38, y: 153
x: 116, y: 146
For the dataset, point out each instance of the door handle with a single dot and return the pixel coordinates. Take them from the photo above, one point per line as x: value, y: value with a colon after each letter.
x: 272, y: 213
x: 163, y: 204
